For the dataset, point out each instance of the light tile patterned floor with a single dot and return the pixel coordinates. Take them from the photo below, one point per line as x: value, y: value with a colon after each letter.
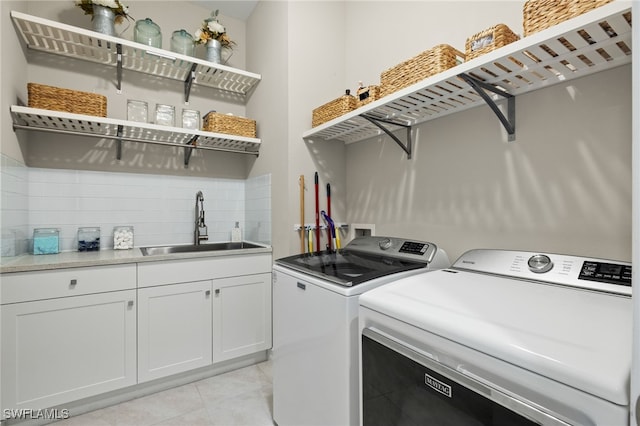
x: 239, y: 398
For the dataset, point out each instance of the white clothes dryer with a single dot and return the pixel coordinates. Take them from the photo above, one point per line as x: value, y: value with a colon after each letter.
x: 500, y: 338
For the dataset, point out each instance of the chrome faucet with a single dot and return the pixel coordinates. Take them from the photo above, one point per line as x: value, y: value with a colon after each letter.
x: 200, y: 233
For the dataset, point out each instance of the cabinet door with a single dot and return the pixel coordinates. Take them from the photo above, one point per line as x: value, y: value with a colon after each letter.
x: 174, y: 329
x: 60, y: 350
x: 242, y: 316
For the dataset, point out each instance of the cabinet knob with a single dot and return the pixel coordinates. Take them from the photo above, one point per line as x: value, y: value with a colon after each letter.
x: 73, y: 282
x: 217, y: 291
x: 208, y: 292
x: 130, y: 303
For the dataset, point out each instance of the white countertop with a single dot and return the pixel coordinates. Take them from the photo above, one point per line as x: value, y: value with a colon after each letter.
x: 76, y: 259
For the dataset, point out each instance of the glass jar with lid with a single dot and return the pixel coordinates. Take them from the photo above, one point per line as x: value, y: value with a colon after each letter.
x: 182, y: 42
x: 147, y: 32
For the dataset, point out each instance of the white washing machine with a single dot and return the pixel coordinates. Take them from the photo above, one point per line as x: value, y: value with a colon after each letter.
x: 500, y: 338
x: 315, y: 324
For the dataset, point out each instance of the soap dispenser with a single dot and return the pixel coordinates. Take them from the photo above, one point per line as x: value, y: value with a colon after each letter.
x: 236, y: 233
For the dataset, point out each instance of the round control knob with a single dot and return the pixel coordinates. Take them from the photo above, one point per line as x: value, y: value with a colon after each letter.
x: 540, y: 263
x: 385, y: 244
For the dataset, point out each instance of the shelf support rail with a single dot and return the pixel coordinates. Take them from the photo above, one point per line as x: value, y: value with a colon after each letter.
x: 119, y: 67
x: 508, y: 122
x: 378, y: 123
x: 119, y: 142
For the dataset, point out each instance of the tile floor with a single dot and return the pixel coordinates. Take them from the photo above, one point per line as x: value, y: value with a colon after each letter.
x: 238, y: 398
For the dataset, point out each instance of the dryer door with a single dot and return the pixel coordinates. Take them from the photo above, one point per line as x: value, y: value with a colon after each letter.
x: 403, y: 387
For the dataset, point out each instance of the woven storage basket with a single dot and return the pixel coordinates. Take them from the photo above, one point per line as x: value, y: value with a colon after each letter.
x: 490, y: 39
x: 541, y: 14
x: 333, y: 109
x: 430, y: 62
x: 367, y: 95
x: 229, y: 124
x: 66, y: 100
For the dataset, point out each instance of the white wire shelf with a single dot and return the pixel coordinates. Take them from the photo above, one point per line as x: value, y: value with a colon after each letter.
x: 66, y: 40
x: 25, y: 118
x: 596, y: 41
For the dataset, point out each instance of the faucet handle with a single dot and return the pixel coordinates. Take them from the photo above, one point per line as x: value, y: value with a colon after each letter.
x: 203, y: 232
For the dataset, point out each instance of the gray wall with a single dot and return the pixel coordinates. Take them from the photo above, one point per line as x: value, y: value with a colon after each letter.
x: 563, y: 186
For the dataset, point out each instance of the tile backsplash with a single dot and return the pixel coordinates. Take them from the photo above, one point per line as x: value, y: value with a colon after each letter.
x: 14, y: 205
x: 159, y: 207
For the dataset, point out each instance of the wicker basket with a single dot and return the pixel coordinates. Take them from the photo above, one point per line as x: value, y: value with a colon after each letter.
x: 66, y: 100
x: 229, y: 125
x: 430, y: 62
x: 333, y: 109
x: 367, y: 95
x: 541, y: 14
x: 488, y: 40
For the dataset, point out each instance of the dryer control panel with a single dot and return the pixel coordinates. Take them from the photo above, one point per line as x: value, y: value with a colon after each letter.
x: 613, y: 273
x: 586, y: 273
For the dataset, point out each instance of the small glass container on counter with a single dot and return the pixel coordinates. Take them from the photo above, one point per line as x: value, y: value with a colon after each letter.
x: 89, y: 238
x: 46, y: 241
x: 8, y: 246
x: 123, y: 237
x: 165, y: 115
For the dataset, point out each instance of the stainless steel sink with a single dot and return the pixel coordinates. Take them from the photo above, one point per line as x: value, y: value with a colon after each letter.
x: 192, y: 248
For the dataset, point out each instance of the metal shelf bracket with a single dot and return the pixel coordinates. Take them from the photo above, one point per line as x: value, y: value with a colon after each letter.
x: 119, y: 143
x: 188, y: 150
x: 119, y: 67
x: 378, y: 122
x: 508, y: 122
x: 189, y: 82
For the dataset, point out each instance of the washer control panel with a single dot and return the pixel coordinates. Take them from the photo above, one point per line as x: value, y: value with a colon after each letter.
x: 414, y: 247
x: 574, y: 271
x: 422, y: 251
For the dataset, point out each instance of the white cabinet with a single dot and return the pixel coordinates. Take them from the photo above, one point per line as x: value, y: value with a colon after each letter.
x: 69, y: 334
x: 242, y: 316
x: 174, y: 329
x: 67, y: 347
x: 239, y: 311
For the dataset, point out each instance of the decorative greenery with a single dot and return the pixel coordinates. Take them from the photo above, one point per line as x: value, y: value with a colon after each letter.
x: 212, y: 29
x: 120, y: 10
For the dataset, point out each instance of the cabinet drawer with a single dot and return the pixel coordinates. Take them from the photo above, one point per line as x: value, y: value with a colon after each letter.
x: 179, y: 271
x: 26, y: 286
